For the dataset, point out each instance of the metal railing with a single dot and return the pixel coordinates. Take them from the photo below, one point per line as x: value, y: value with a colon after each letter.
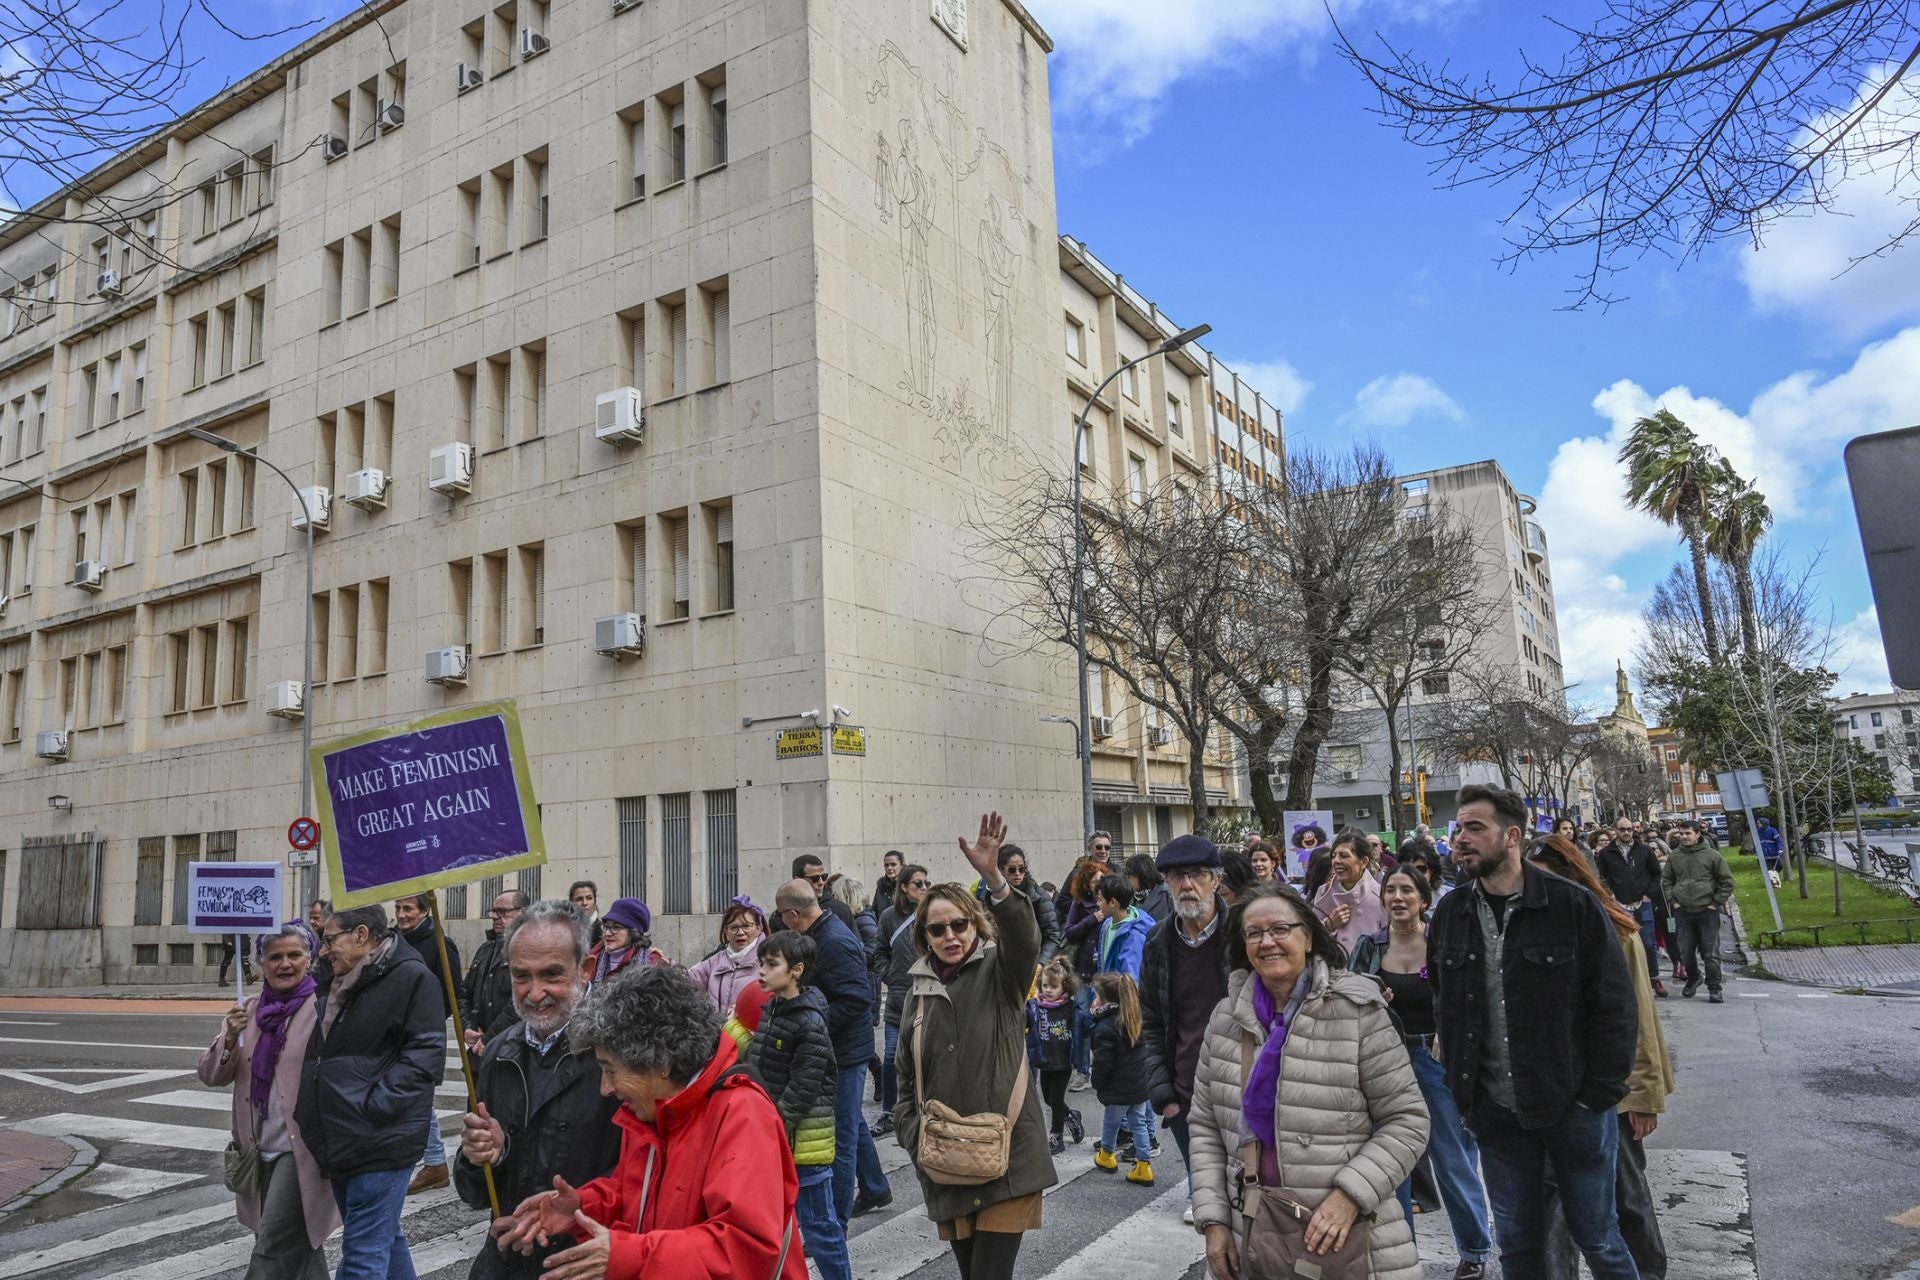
x: 1907, y: 924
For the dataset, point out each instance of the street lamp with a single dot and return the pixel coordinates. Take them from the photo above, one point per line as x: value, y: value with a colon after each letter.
x: 307, y: 874
x: 1070, y: 723
x: 1172, y: 344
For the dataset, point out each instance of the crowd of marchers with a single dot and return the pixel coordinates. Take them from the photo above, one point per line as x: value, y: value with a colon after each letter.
x: 1465, y: 1026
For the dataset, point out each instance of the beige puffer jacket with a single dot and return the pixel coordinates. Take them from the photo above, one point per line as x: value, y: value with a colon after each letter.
x: 1349, y: 1112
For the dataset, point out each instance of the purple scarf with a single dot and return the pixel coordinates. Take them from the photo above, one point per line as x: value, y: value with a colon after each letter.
x: 1263, y: 1082
x: 272, y: 1013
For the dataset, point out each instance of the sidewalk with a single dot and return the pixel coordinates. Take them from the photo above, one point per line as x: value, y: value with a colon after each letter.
x: 202, y: 997
x: 1877, y: 968
x: 28, y: 1160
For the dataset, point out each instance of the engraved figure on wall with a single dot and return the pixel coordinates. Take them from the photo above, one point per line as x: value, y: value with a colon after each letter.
x: 999, y: 273
x: 913, y: 195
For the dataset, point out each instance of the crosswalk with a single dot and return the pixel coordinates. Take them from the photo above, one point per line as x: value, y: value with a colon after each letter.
x: 152, y: 1207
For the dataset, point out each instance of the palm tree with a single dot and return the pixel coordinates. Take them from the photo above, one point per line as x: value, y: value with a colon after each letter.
x: 1669, y: 470
x: 1737, y: 518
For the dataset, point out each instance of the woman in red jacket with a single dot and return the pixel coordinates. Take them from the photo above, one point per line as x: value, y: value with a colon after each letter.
x: 705, y: 1186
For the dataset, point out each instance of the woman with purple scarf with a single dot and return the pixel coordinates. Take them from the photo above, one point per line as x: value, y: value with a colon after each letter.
x: 1306, y: 1115
x: 259, y: 1051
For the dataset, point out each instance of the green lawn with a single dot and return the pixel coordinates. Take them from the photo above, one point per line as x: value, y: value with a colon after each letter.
x: 1860, y: 899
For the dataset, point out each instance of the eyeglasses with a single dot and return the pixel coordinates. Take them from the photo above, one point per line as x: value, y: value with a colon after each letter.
x: 1103, y: 848
x: 1278, y: 932
x: 504, y: 911
x: 1188, y: 875
x: 918, y: 884
x: 819, y: 877
x: 328, y: 939
x: 742, y: 926
x: 1016, y: 869
x: 941, y: 928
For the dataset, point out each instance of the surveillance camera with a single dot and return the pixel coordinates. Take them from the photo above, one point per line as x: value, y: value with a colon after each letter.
x: 841, y: 711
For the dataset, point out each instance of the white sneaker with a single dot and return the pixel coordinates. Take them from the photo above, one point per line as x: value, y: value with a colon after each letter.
x: 1186, y: 1215
x: 1079, y: 1083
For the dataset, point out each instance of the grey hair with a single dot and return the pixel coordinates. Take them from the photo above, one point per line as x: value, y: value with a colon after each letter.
x: 552, y: 911
x: 373, y: 916
x: 289, y: 929
x: 649, y: 1019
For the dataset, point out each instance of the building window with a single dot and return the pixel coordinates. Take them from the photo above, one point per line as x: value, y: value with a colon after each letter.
x: 137, y: 392
x: 631, y: 842
x: 720, y: 332
x: 537, y: 205
x: 677, y: 140
x: 633, y: 148
x: 1130, y: 383
x: 723, y: 850
x: 717, y: 119
x: 1076, y: 340
x: 676, y: 847
x: 237, y: 638
x: 460, y: 602
x: 1174, y: 423
x: 533, y: 579
x: 1877, y: 720
x: 677, y: 336
x: 197, y: 340
x: 1435, y: 686
x: 720, y: 519
x: 680, y: 605
x: 493, y: 602
x: 179, y: 648
x: 633, y: 538
x: 189, y: 508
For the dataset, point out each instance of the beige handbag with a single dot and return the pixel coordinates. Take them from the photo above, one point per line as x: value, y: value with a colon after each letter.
x: 957, y: 1150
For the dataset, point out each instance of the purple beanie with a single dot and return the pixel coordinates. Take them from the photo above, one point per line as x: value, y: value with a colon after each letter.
x: 629, y: 913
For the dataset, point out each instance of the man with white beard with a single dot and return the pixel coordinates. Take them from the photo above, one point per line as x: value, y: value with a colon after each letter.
x: 539, y: 1112
x: 1183, y: 974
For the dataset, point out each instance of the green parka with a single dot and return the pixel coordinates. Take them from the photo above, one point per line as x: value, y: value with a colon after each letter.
x: 1696, y: 877
x: 975, y: 1040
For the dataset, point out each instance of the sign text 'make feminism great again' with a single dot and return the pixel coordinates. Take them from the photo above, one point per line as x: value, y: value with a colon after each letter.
x: 394, y: 774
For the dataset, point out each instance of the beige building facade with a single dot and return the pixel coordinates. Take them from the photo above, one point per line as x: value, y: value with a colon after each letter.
x: 646, y: 363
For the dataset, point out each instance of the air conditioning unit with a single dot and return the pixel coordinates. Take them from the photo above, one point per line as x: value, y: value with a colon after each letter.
x: 450, y: 469
x: 389, y: 115
x: 1160, y: 736
x: 532, y: 43
x: 1102, y: 727
x: 336, y: 146
x: 316, y: 501
x: 50, y: 744
x: 1363, y: 813
x: 469, y: 77
x: 619, y: 417
x: 108, y: 285
x: 1348, y: 775
x: 367, y: 489
x: 447, y: 666
x: 620, y: 635
x: 87, y: 574
x: 287, y: 700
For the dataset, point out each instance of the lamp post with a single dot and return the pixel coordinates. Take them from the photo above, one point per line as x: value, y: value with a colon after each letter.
x: 1172, y: 344
x: 307, y: 874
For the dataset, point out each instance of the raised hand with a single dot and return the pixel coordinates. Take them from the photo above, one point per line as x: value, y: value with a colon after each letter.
x: 984, y: 852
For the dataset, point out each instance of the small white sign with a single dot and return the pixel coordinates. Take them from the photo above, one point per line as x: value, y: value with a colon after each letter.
x: 233, y: 897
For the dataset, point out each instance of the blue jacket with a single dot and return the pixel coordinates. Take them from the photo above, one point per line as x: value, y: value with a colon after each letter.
x: 1122, y: 942
x: 841, y: 974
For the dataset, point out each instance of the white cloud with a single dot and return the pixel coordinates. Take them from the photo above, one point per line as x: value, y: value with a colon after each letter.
x: 1788, y: 439
x: 1859, y: 657
x: 1282, y: 385
x: 1394, y: 400
x: 1803, y: 262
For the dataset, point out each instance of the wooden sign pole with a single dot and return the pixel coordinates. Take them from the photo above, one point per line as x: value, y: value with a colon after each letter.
x: 459, y: 1034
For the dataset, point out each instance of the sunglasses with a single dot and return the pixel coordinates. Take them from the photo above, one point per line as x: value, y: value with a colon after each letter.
x: 918, y: 884
x: 941, y: 928
x: 820, y: 878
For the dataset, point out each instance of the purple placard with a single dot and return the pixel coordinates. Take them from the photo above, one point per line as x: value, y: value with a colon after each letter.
x: 421, y: 803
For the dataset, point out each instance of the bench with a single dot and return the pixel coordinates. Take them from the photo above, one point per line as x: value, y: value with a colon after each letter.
x: 1895, y: 866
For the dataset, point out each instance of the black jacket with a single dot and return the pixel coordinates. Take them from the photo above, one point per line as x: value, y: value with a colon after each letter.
x: 792, y: 1054
x: 486, y: 998
x: 1571, y: 1018
x: 1632, y: 874
x: 366, y: 1091
x: 842, y: 977
x: 1044, y: 915
x: 555, y: 1121
x: 1119, y: 1069
x: 893, y: 958
x: 1159, y: 1018
x: 421, y: 939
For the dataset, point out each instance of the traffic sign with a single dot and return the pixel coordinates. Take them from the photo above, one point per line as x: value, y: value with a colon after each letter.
x: 303, y: 834
x: 303, y: 857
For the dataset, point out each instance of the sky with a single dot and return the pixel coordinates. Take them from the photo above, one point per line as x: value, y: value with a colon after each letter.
x: 1221, y: 156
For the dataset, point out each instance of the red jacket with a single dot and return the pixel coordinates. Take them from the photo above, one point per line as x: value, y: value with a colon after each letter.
x: 693, y: 1197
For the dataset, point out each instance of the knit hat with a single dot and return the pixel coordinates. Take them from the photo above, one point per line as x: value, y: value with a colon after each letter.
x: 1188, y: 851
x: 629, y: 913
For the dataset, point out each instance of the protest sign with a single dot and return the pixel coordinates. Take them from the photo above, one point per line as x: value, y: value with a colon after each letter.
x: 1297, y: 820
x: 436, y: 802
x: 233, y: 897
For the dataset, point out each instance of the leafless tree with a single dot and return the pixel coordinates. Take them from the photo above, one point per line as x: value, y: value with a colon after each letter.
x: 1669, y: 125
x: 1628, y: 779
x: 1539, y: 743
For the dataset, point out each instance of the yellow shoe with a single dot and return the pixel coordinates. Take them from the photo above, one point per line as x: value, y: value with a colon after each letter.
x: 1142, y: 1173
x: 1104, y: 1159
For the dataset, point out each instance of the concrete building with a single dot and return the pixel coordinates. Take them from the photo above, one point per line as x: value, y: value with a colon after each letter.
x: 642, y: 363
x: 1691, y: 791
x: 1884, y: 724
x: 1515, y: 569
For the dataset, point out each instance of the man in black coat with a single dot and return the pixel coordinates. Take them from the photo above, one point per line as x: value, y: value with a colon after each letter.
x: 416, y: 928
x: 540, y: 1112
x: 379, y: 1048
x: 842, y: 975
x: 1631, y: 870
x: 486, y: 997
x: 1183, y: 974
x: 814, y: 872
x: 1538, y: 1022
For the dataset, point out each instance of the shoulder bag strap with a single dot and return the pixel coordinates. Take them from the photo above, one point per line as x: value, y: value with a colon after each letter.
x: 1019, y: 1098
x: 919, y: 1052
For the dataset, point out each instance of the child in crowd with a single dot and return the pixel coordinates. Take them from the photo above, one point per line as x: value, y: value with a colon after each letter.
x: 792, y: 1054
x: 1120, y: 1074
x: 1050, y: 1046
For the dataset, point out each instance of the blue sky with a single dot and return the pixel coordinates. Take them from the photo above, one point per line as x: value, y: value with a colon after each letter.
x: 1218, y: 153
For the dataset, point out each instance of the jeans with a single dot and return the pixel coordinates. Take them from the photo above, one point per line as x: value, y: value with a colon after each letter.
x: 889, y: 1080
x: 1455, y: 1158
x: 372, y: 1246
x: 854, y: 1155
x: 1138, y: 1118
x: 1639, y: 1226
x: 820, y: 1225
x: 1083, y: 1031
x: 1649, y: 940
x: 1700, y: 946
x: 280, y: 1246
x: 1579, y: 1148
x: 436, y: 1145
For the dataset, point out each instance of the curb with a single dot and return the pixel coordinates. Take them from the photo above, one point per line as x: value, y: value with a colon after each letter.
x: 85, y: 1156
